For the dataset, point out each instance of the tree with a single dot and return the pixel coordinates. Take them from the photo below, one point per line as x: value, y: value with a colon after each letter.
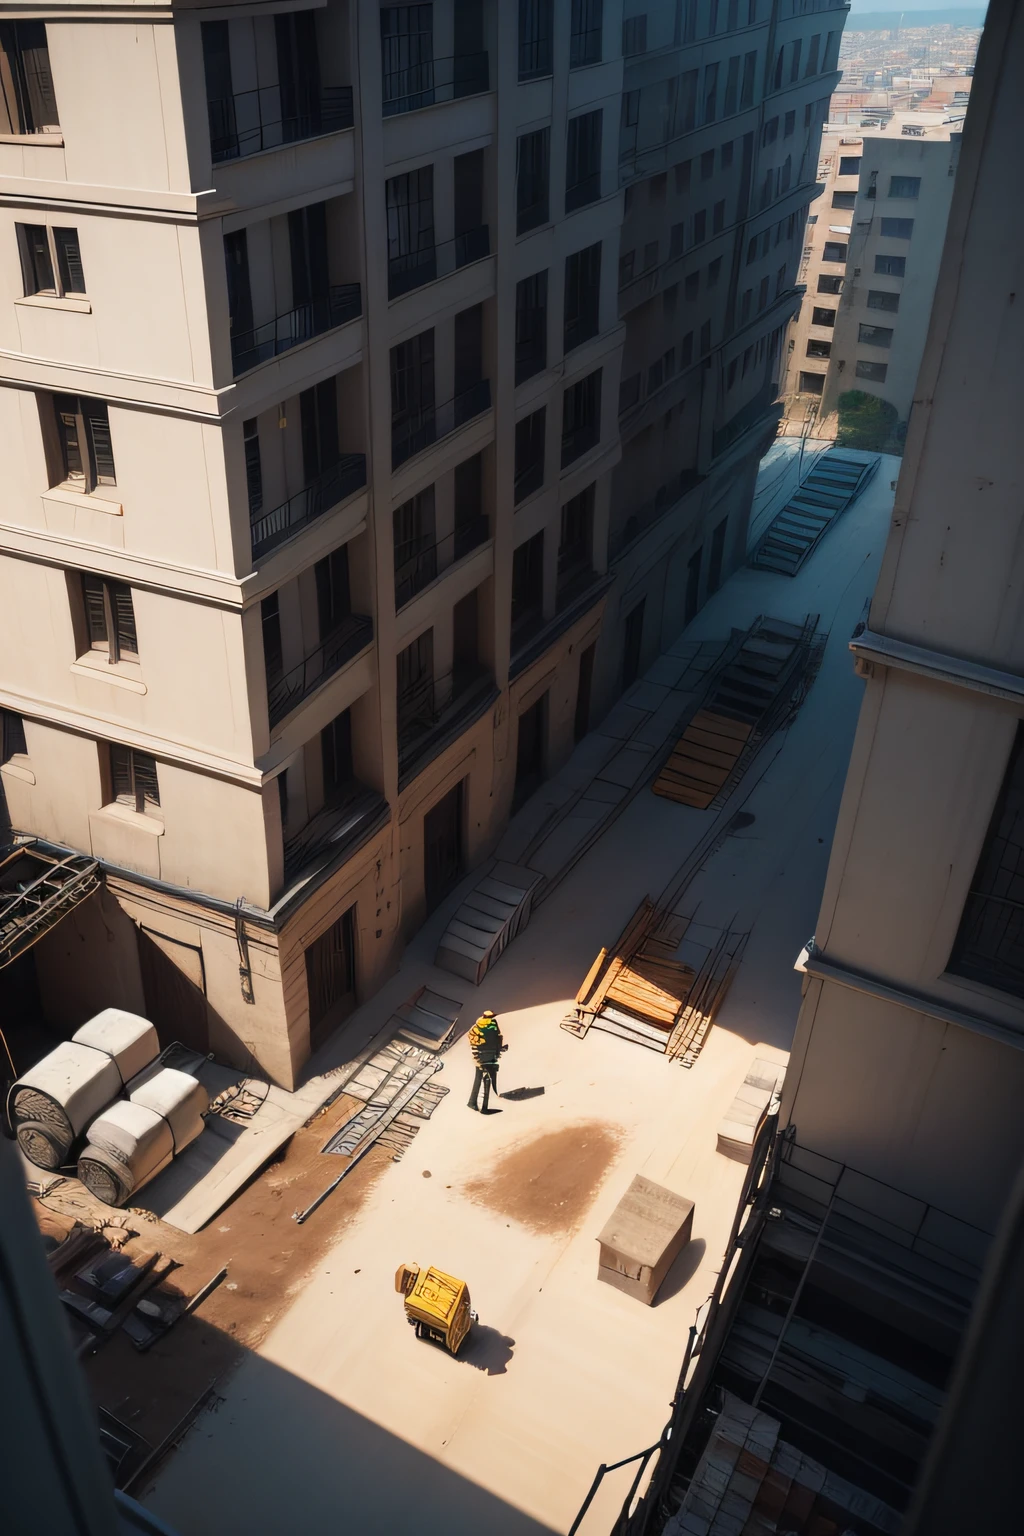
x: 866, y: 421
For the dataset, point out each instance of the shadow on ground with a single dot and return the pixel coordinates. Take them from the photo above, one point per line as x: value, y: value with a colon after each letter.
x: 488, y: 1350
x: 279, y: 1454
x: 681, y: 1270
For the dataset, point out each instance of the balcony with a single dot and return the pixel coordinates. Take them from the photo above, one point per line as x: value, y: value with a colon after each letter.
x: 417, y: 565
x: 335, y: 831
x: 339, y: 304
x: 417, y: 430
x: 284, y: 522
x: 532, y: 635
x: 288, y: 691
x: 433, y: 81
x: 437, y: 710
x: 425, y: 266
x: 251, y: 121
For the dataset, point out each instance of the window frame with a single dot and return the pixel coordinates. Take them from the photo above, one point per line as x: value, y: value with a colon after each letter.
x: 104, y: 604
x: 124, y: 765
x: 904, y: 182
x: 59, y: 238
x: 12, y: 736
x: 89, y: 475
x: 583, y: 143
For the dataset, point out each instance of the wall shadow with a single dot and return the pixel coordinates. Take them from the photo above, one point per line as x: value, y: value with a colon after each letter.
x: 681, y: 1271
x: 273, y: 1454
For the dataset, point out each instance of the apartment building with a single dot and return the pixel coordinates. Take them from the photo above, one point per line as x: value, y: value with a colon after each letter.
x: 314, y: 553
x: 718, y: 148
x: 871, y: 262
x: 854, y: 1265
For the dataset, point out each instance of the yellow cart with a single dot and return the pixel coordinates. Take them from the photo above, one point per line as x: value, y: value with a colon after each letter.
x: 436, y: 1304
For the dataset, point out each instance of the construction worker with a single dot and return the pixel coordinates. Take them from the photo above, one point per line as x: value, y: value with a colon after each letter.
x: 487, y: 1046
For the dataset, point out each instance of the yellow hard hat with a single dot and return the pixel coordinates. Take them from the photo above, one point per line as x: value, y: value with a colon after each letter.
x: 487, y: 1014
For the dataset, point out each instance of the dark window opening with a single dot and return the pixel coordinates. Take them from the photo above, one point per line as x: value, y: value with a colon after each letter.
x: 576, y: 544
x: 582, y: 296
x: 531, y: 326
x: 331, y: 973
x: 110, y: 618
x: 28, y: 103
x: 717, y: 556
x: 133, y: 779
x: 535, y: 31
x: 530, y: 751
x: 585, y: 33
x: 273, y: 650
x: 989, y: 944
x: 581, y: 417
x: 533, y: 154
x: 584, y: 687
x: 84, y: 432
x: 693, y: 585
x: 415, y: 546
x: 12, y: 736
x: 527, y: 588
x: 583, y: 160
x: 51, y: 261
x: 253, y: 466
x: 336, y: 757
x: 529, y: 460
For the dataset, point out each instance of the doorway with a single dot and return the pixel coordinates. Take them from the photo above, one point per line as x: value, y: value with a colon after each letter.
x: 530, y: 751
x: 442, y: 847
x: 581, y: 720
x: 331, y: 978
x: 174, y: 987
x: 633, y: 644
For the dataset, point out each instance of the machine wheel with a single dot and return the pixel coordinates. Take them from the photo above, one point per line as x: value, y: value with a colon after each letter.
x: 421, y: 1332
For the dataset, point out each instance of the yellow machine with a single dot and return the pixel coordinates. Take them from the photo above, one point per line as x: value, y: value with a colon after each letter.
x: 436, y: 1304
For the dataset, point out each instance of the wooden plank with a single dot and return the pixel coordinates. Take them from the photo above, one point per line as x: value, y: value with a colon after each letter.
x: 642, y: 919
x: 591, y: 977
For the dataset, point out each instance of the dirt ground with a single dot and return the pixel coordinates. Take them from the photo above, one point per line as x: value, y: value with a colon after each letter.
x: 549, y: 1183
x: 268, y: 1255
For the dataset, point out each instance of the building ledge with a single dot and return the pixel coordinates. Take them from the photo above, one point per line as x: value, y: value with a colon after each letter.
x: 871, y: 648
x: 544, y: 638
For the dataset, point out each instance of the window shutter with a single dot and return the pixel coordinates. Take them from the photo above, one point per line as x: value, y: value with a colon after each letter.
x: 121, y: 774
x: 147, y: 788
x: 98, y: 428
x: 12, y: 736
x: 71, y: 447
x: 124, y: 619
x: 69, y: 259
x: 95, y: 614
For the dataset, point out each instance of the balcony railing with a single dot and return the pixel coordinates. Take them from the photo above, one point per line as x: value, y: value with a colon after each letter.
x: 250, y: 121
x: 338, y: 828
x: 339, y: 304
x: 435, y: 709
x: 412, y: 270
x: 276, y: 527
x: 419, y: 562
x: 433, y: 81
x: 583, y: 327
x: 583, y: 192
x: 416, y: 430
x: 285, y: 693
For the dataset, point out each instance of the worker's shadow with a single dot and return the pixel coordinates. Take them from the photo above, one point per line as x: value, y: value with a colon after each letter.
x: 487, y: 1350
x: 518, y: 1094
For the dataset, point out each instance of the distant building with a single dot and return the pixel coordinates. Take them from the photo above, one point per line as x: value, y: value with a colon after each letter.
x: 871, y: 261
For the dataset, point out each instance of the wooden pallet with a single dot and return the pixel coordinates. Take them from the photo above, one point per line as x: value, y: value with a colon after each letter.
x: 637, y: 975
x: 702, y: 759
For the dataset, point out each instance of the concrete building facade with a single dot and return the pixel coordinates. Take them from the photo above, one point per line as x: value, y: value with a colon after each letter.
x: 871, y: 261
x: 315, y: 553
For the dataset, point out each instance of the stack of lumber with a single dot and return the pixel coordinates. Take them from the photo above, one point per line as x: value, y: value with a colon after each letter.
x: 702, y: 759
x: 736, y: 1132
x: 706, y: 997
x: 635, y: 976
x: 495, y: 910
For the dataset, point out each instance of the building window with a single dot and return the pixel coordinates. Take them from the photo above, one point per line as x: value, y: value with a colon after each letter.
x: 874, y: 335
x: 656, y: 188
x: 890, y: 266
x: 879, y: 299
x: 762, y: 294
x: 677, y: 240
x: 691, y: 286
x: 821, y: 316
x: 989, y: 945
x: 529, y: 462
x: 531, y: 326
x: 575, y: 544
x: 747, y: 85
x: 897, y: 229
x: 682, y: 176
x: 585, y: 33
x: 583, y: 160
x: 27, y: 100
x: 629, y: 393
x: 650, y: 255
x: 817, y: 348
x: 626, y: 265
x: 412, y: 259
x: 789, y: 126
x: 582, y: 296
x: 336, y: 757
x: 534, y: 38
x: 876, y: 372
x: 133, y: 779
x: 710, y: 93
x: 253, y: 465
x: 581, y: 417
x: 812, y: 55
x: 415, y: 549
x: 12, y: 736
x: 812, y: 383
x: 412, y: 396
x: 717, y: 556
x: 904, y: 186
x: 834, y: 250
x: 844, y: 199
x: 407, y: 57
x: 110, y: 618
x: 849, y: 165
x: 705, y: 338
x: 634, y: 35
x: 527, y: 586
x: 828, y: 284
x: 533, y: 152
x: 273, y: 651
x: 84, y: 433
x: 770, y: 131
x: 51, y: 261
x: 700, y: 226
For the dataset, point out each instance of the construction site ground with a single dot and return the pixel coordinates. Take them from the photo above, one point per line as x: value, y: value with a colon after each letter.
x: 332, y: 1414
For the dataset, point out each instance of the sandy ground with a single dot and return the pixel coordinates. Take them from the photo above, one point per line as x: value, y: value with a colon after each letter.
x: 339, y: 1413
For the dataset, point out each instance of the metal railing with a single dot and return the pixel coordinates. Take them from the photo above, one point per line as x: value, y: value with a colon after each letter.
x: 338, y: 827
x: 418, y: 562
x: 434, y: 706
x: 417, y: 430
x: 415, y: 268
x: 340, y: 303
x: 323, y: 493
x: 250, y: 121
x: 353, y: 635
x: 531, y: 215
x: 432, y: 81
x: 535, y: 58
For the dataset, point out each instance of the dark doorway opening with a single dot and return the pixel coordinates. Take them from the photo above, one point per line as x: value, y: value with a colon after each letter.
x: 530, y: 751
x: 174, y: 987
x: 442, y: 847
x: 581, y: 721
x: 331, y: 978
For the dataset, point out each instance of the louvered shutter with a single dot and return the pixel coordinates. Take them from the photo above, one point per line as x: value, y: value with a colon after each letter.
x: 95, y: 612
x: 98, y: 429
x: 121, y: 775
x: 147, y: 788
x: 124, y: 619
x: 69, y: 259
